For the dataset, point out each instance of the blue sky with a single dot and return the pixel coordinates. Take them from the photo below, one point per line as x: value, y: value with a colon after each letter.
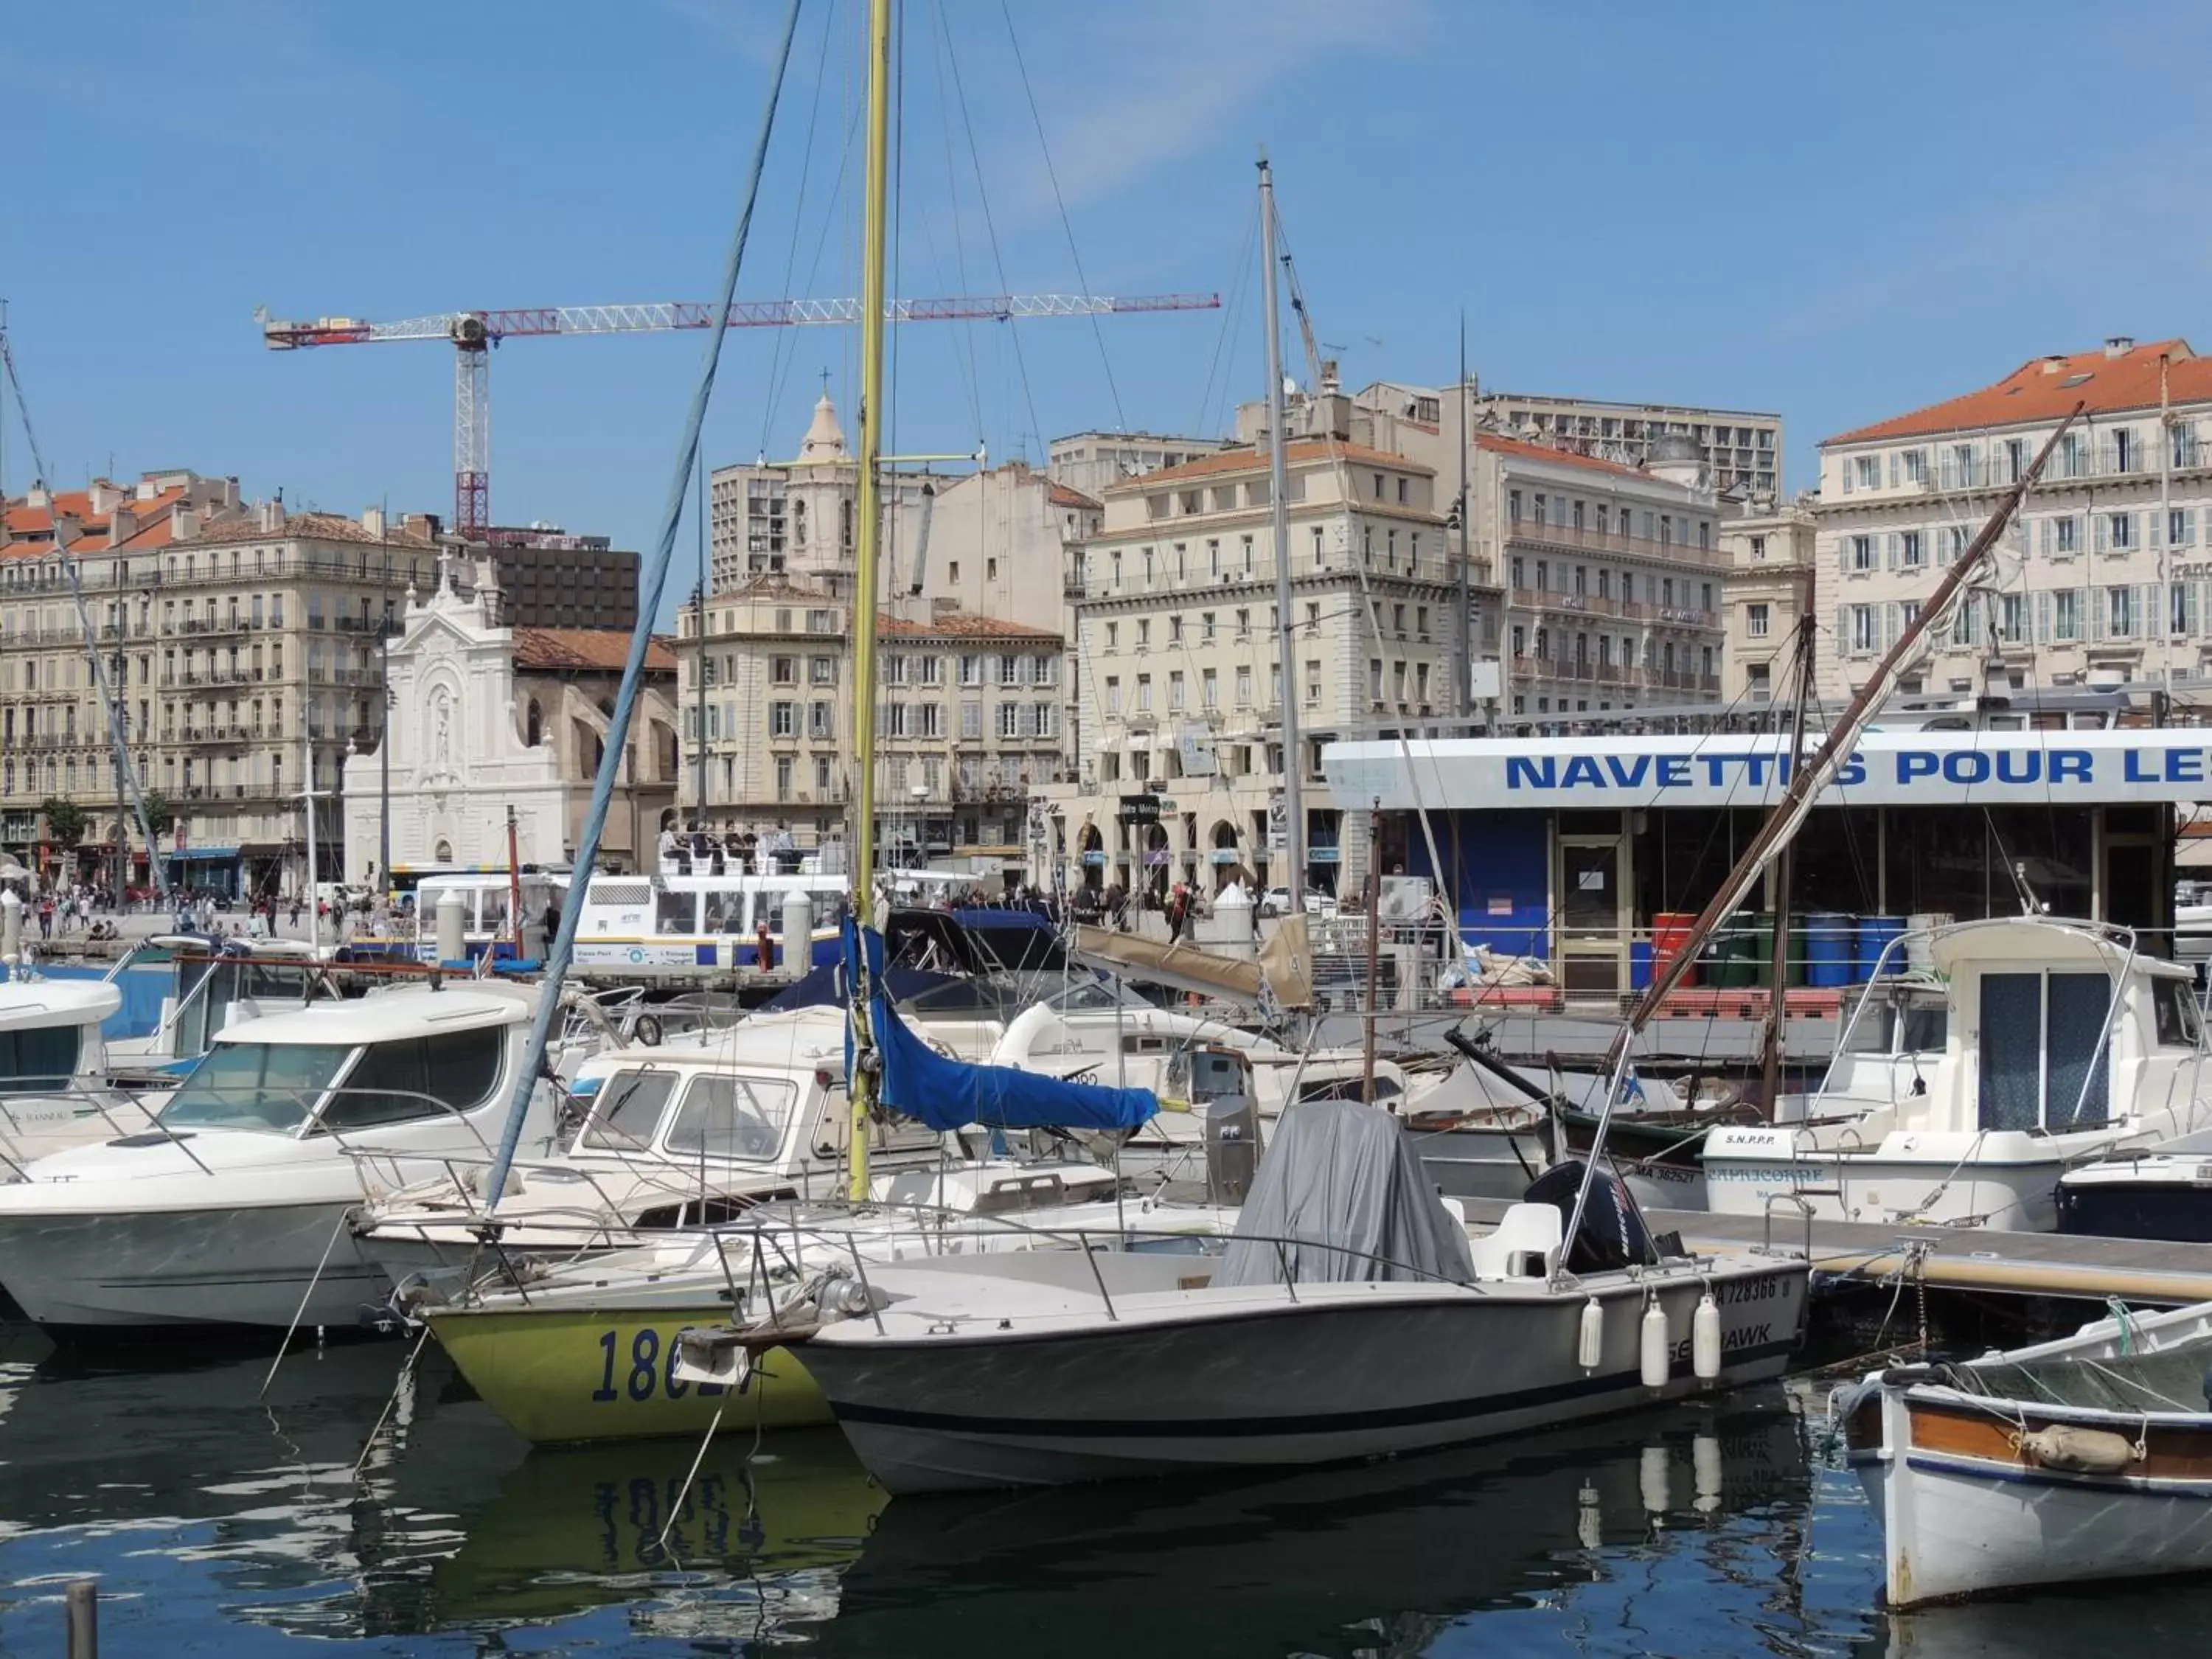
x: 1835, y: 213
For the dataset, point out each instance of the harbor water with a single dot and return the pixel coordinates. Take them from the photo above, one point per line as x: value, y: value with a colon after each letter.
x: 217, y: 1521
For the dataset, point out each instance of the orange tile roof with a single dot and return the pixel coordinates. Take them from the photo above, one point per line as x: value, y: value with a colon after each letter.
x: 1529, y: 452
x: 1248, y: 459
x: 2037, y: 390
x: 604, y: 650
x: 1061, y: 494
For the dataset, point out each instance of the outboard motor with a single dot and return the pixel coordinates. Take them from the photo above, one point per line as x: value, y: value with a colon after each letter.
x: 1612, y: 1233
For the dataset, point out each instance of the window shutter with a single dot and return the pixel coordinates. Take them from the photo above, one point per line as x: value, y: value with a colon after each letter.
x: 2192, y: 606
x: 2153, y: 530
x: 1843, y: 630
x: 1889, y: 546
x: 2102, y: 519
x: 2151, y: 626
x: 1893, y: 469
x: 2189, y: 527
x: 2043, y: 618
x: 2096, y: 597
x: 1850, y: 466
x: 2043, y: 540
x: 1889, y: 619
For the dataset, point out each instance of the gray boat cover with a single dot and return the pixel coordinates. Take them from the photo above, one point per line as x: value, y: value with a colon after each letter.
x: 1342, y: 1178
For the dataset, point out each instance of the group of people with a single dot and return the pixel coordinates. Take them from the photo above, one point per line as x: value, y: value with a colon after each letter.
x: 696, y: 851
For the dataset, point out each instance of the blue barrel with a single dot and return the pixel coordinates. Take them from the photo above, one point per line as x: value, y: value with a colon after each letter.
x: 1639, y: 964
x: 1831, y: 948
x: 1876, y: 933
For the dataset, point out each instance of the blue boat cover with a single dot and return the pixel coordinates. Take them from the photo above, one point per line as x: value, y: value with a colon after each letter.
x: 945, y: 1094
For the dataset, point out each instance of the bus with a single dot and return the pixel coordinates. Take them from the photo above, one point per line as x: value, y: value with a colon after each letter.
x: 701, y: 928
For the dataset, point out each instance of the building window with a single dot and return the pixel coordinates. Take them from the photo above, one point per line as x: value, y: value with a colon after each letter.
x: 1866, y: 471
x: 1866, y: 633
x: 2120, y: 612
x: 1144, y: 694
x: 2065, y: 534
x: 1861, y: 552
x: 1911, y: 551
x: 2066, y: 615
x: 783, y: 671
x: 783, y: 719
x: 1244, y: 687
x: 1757, y: 620
x: 1113, y: 697
x: 783, y: 769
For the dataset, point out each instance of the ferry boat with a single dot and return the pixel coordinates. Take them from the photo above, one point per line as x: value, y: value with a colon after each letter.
x: 695, y: 929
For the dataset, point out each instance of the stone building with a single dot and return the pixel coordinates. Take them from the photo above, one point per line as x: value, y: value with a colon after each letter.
x: 1771, y: 581
x: 968, y: 721
x: 2100, y: 581
x: 486, y: 717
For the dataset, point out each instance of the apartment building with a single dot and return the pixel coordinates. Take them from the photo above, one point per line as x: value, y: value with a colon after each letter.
x: 244, y: 641
x: 1179, y: 657
x: 1613, y: 577
x: 967, y: 722
x: 1094, y: 462
x: 1771, y: 583
x: 1740, y: 450
x: 2100, y: 581
x: 550, y: 577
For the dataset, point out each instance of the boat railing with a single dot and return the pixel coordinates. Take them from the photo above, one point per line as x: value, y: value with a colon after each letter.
x: 103, y: 1102
x: 319, y: 1125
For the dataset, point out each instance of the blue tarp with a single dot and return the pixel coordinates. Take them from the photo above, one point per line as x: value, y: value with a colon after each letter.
x: 919, y: 1083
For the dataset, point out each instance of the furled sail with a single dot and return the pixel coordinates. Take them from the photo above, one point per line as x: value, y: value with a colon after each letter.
x: 948, y: 1094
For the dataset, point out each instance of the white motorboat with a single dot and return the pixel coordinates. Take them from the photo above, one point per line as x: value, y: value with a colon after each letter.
x: 2063, y: 1044
x: 691, y: 1132
x: 1348, y: 1317
x: 54, y: 1089
x: 2079, y: 1459
x: 216, y: 981
x: 231, y: 1208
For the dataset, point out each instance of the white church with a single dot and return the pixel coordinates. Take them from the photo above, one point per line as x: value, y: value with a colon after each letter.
x: 483, y: 717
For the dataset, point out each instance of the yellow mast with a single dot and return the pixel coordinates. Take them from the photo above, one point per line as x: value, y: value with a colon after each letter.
x: 867, y: 512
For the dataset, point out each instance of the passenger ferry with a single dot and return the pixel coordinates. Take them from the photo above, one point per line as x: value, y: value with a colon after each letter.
x: 679, y: 928
x: 487, y: 919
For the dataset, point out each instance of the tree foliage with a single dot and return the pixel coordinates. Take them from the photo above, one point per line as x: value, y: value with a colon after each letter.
x: 66, y: 822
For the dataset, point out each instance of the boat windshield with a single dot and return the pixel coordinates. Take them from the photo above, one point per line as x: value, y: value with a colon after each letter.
x: 628, y: 1110
x: 1092, y: 996
x: 271, y: 1086
x: 1909, y: 1023
x: 731, y: 1117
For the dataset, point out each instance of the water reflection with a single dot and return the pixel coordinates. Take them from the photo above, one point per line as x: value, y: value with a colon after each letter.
x: 1597, y: 1526
x: 218, y: 1520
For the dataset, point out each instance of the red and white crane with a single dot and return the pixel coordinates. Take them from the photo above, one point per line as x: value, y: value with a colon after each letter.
x: 473, y: 333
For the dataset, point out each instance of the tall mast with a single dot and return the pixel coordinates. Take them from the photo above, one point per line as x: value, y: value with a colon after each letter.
x: 867, y: 512
x: 1464, y: 704
x: 1278, y: 511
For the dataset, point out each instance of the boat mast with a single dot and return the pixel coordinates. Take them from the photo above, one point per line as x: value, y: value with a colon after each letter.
x: 1805, y: 782
x: 1777, y: 1009
x: 867, y: 511
x: 1279, y: 513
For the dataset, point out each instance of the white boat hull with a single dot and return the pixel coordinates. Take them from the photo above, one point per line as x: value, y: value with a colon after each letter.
x: 1747, y: 1171
x: 1338, y: 1371
x: 87, y: 1274
x: 1965, y: 1522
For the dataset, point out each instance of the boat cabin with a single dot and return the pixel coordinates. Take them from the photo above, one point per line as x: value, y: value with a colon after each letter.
x: 49, y: 1035
x: 489, y: 923
x: 401, y: 1057
x: 702, y: 926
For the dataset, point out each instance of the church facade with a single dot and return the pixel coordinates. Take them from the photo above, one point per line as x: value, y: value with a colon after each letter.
x: 483, y: 718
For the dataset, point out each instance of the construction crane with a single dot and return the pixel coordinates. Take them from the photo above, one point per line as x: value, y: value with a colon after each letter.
x: 473, y: 333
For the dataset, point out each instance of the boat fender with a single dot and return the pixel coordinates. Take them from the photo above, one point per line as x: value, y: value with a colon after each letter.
x: 1706, y: 1339
x: 1654, y: 1346
x: 2077, y: 1450
x: 1590, y: 1347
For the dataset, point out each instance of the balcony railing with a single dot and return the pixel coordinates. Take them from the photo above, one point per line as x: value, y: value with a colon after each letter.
x: 1528, y: 533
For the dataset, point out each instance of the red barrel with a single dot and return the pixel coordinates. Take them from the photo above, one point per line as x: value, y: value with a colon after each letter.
x: 1670, y: 932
